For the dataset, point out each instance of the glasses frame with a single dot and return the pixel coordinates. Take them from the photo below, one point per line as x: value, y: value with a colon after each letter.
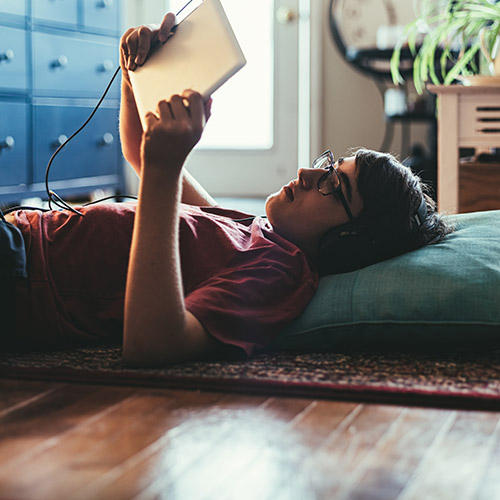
x: 332, y: 170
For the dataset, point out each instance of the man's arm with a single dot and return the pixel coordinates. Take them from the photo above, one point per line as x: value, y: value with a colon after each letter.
x: 193, y: 193
x: 134, y: 48
x: 157, y: 327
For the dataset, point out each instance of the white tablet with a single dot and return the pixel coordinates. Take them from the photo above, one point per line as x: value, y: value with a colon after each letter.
x: 202, y: 55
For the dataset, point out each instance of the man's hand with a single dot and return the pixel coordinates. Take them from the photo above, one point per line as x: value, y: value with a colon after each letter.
x: 136, y: 43
x: 173, y: 132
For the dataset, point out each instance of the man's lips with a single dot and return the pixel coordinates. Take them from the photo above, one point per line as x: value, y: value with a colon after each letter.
x: 289, y: 191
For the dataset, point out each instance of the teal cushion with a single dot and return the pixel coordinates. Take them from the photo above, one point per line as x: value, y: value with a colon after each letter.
x: 444, y: 295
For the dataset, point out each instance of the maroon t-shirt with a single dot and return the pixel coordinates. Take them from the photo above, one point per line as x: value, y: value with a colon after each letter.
x: 241, y: 280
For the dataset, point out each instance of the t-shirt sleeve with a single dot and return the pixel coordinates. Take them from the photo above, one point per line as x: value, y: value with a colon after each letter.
x: 247, y: 305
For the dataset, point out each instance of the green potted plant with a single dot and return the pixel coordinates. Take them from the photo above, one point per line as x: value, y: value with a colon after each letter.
x: 445, y: 39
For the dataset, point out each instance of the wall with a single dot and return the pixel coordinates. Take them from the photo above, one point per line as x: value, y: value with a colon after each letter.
x: 353, y: 108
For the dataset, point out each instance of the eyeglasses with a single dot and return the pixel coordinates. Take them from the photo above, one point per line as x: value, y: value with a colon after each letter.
x: 330, y: 183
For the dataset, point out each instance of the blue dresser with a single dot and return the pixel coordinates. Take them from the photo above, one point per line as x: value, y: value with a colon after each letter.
x: 56, y: 59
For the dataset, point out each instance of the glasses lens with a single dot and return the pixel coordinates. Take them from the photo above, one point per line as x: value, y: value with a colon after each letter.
x: 324, y: 161
x: 329, y: 183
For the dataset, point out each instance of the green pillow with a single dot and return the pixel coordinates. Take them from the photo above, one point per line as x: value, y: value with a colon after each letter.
x: 441, y: 296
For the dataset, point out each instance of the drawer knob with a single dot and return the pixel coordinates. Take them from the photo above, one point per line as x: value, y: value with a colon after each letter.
x: 8, y: 55
x: 60, y: 62
x: 105, y: 4
x: 107, y: 139
x: 59, y: 141
x: 7, y: 143
x: 106, y: 66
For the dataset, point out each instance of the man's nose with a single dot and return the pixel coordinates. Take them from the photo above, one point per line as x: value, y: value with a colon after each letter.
x: 308, y: 177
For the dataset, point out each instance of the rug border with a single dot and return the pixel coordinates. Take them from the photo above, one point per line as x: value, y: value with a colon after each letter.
x: 396, y: 396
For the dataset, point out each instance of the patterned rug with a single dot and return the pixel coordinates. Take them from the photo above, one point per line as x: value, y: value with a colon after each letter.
x: 449, y: 380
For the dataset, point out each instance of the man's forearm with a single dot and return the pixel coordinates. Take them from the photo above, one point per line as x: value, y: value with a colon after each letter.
x: 193, y: 193
x: 154, y: 301
x: 130, y: 127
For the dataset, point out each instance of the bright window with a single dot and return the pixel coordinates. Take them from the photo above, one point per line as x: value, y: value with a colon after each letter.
x: 243, y: 107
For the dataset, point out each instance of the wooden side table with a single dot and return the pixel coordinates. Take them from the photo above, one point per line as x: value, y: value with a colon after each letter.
x: 468, y: 117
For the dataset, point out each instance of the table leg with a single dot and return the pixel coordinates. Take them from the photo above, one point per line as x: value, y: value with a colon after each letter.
x: 448, y: 153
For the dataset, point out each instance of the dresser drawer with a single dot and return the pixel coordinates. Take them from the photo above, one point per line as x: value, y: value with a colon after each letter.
x: 73, y: 66
x: 13, y: 143
x: 95, y: 151
x: 55, y: 11
x: 15, y: 7
x: 101, y: 15
x: 479, y: 187
x: 479, y: 118
x: 12, y: 58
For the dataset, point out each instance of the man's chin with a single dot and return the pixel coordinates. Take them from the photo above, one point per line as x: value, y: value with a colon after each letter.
x: 269, y: 202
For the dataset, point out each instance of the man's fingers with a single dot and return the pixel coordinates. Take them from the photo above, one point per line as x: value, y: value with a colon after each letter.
x: 188, y: 106
x: 143, y: 45
x: 208, y: 109
x: 196, y: 107
x: 150, y: 119
x: 131, y: 43
x: 124, y: 46
x: 165, y: 110
x: 180, y: 107
x: 166, y: 27
x: 136, y: 42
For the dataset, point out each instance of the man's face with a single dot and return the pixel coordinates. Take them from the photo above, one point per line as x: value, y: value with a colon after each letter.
x: 301, y: 214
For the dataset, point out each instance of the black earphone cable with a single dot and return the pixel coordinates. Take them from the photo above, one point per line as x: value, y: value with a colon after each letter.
x: 113, y: 196
x: 52, y: 195
x: 251, y: 218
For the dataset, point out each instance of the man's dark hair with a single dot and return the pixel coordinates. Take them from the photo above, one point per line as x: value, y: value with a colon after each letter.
x: 398, y: 216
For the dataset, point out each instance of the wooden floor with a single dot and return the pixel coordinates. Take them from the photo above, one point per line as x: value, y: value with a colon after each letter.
x: 75, y: 441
